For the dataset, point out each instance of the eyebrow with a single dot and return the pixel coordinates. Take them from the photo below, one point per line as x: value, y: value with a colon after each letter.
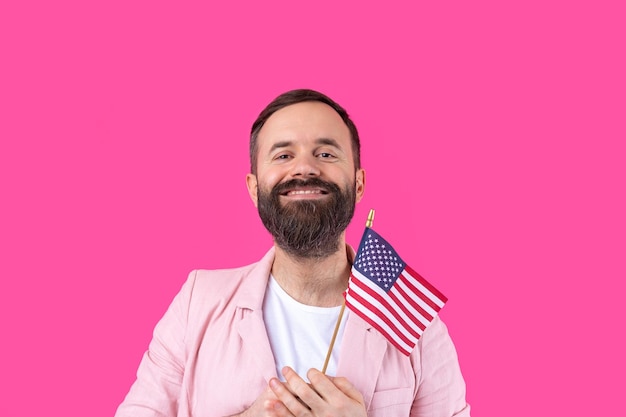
x: 320, y: 141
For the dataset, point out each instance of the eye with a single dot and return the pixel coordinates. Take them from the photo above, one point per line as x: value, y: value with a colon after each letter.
x: 325, y: 155
x: 282, y: 156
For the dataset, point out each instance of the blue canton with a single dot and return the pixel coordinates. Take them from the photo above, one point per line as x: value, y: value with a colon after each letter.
x: 377, y: 261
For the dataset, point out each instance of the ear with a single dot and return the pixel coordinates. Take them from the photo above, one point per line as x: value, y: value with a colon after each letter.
x: 251, y: 183
x: 360, y: 184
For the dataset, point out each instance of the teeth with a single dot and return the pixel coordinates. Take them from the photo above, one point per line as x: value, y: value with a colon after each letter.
x: 304, y: 192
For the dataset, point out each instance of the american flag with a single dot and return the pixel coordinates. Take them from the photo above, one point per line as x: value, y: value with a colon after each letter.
x: 385, y: 292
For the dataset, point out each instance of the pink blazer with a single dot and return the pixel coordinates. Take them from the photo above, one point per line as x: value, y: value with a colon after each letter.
x: 210, y: 356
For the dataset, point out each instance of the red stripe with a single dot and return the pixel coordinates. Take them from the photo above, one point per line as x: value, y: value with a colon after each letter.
x: 390, y: 339
x: 412, y: 302
x: 426, y: 284
x: 357, y: 282
x: 420, y: 294
x: 402, y: 304
x: 380, y: 316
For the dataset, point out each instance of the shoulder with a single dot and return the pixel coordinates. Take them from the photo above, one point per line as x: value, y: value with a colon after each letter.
x: 218, y: 281
x: 244, y: 285
x: 435, y: 354
x: 433, y: 339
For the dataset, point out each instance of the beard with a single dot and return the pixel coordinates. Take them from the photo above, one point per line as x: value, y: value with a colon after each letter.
x: 307, y: 228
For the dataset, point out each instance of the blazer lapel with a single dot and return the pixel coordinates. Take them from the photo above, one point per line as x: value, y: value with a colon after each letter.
x: 251, y: 327
x: 361, y: 356
x: 256, y: 343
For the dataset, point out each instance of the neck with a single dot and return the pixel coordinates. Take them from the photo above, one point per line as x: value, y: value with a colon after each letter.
x: 318, y: 282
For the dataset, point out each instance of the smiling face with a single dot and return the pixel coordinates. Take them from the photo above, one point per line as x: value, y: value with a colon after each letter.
x: 306, y: 184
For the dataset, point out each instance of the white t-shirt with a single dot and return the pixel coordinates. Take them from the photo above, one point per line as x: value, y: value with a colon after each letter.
x: 300, y: 334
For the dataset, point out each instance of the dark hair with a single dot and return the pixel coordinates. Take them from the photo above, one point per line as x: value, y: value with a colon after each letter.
x: 294, y: 97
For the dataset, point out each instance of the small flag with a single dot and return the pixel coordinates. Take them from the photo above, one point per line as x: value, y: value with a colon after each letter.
x: 385, y: 292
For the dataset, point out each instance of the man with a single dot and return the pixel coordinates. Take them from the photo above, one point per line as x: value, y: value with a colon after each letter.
x: 250, y: 341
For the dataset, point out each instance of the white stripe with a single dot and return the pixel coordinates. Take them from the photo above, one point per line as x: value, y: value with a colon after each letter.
x: 411, y: 321
x: 401, y: 328
x: 423, y: 289
x: 372, y: 316
x: 382, y: 308
x: 419, y: 316
x: 416, y: 299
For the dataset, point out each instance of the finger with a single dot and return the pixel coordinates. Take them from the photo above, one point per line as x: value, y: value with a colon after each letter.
x: 345, y: 386
x: 288, y: 399
x: 321, y: 383
x: 295, y: 383
x: 274, y: 408
x: 333, y: 388
x: 304, y: 391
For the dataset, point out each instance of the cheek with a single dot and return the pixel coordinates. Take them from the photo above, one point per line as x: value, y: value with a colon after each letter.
x: 268, y: 179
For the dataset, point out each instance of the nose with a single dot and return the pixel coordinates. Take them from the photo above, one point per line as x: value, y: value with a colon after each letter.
x: 305, y: 167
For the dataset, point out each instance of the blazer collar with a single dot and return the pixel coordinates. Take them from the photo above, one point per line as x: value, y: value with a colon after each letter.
x: 254, y: 283
x: 251, y: 326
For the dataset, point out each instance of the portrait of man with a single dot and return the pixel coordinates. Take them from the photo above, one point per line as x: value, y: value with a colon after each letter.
x: 250, y: 341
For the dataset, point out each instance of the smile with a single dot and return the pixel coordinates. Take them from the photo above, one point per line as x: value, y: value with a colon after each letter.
x: 305, y: 192
x: 302, y: 192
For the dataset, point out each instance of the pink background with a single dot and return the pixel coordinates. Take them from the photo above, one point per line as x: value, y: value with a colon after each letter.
x: 493, y: 137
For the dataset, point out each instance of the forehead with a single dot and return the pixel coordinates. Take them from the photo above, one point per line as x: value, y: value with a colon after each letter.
x: 306, y: 121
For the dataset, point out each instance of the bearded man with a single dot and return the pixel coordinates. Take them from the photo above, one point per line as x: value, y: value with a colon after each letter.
x: 248, y: 341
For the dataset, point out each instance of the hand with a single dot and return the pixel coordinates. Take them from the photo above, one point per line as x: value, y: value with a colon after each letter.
x: 326, y: 396
x: 263, y: 406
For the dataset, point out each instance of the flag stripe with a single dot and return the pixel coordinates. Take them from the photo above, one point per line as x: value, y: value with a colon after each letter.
x: 428, y: 286
x: 392, y: 304
x: 413, y: 300
x: 402, y: 299
x: 371, y: 302
x: 374, y: 316
x: 366, y: 314
x: 424, y: 300
x: 372, y: 292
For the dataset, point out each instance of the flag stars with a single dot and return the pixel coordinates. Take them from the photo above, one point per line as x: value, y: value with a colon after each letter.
x: 377, y: 260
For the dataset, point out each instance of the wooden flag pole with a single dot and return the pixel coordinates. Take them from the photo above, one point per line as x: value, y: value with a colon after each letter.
x: 332, y: 341
x: 368, y: 223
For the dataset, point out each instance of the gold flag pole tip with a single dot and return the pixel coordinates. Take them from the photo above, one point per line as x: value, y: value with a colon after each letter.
x: 370, y: 218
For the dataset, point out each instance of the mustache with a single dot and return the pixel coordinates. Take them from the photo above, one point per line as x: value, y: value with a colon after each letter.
x: 311, y: 182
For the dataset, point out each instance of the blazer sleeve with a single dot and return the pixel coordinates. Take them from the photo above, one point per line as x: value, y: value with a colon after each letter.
x: 156, y: 391
x: 441, y: 388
